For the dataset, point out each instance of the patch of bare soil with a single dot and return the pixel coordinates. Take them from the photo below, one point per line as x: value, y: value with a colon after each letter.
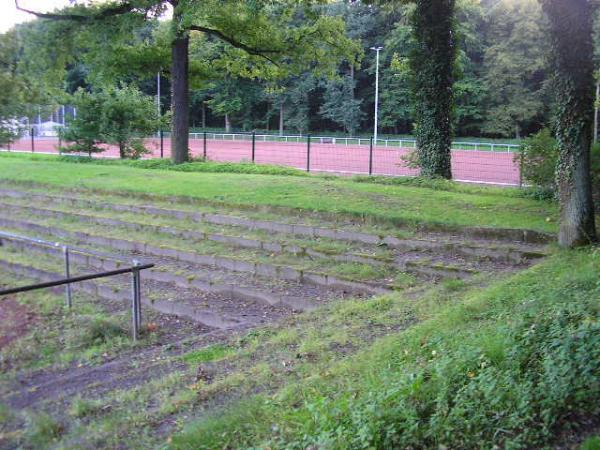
x: 15, y: 321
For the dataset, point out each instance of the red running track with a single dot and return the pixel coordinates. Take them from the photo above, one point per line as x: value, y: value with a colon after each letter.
x: 467, y: 165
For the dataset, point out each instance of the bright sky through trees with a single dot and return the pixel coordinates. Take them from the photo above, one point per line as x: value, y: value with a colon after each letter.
x: 11, y: 16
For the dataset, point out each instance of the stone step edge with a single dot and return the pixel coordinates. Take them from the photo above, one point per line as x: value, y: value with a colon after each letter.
x: 525, y: 236
x: 510, y: 234
x: 208, y: 286
x: 505, y: 253
x: 261, y: 269
x: 207, y: 318
x: 234, y: 241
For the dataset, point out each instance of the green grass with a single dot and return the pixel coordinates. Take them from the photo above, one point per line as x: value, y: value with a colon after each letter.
x: 592, y: 443
x: 194, y: 166
x: 213, y: 353
x: 59, y: 336
x: 507, y: 366
x: 42, y: 431
x: 392, y: 204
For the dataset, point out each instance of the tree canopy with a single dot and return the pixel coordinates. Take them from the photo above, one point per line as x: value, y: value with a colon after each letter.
x: 501, y: 76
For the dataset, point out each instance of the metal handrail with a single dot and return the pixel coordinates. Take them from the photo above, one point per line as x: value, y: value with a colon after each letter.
x: 136, y: 267
x: 48, y: 284
x: 72, y: 249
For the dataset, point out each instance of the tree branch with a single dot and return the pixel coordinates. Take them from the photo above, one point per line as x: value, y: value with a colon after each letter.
x: 105, y: 13
x: 262, y: 52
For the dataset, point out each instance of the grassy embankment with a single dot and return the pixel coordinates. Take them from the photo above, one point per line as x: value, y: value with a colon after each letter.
x: 414, y: 203
x: 508, y: 365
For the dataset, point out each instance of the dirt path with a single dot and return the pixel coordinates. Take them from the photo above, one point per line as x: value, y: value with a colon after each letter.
x: 15, y: 321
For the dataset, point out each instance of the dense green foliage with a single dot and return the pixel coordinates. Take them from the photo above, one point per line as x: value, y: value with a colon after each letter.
x: 83, y: 133
x: 120, y: 116
x: 503, y: 367
x: 537, y: 158
x: 501, y: 75
x: 18, y: 90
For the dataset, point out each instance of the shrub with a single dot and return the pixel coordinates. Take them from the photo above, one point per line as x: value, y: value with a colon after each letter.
x: 116, y: 116
x: 83, y: 134
x: 537, y: 159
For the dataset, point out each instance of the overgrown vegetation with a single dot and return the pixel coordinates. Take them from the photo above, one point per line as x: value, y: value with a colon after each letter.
x: 194, y: 166
x: 507, y: 366
x: 538, y: 160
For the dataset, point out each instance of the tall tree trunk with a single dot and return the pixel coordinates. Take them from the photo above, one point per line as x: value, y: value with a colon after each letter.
x: 227, y: 124
x: 203, y: 115
x: 281, y: 119
x: 432, y: 63
x: 517, y: 131
x: 595, y: 136
x: 571, y: 34
x: 180, y: 99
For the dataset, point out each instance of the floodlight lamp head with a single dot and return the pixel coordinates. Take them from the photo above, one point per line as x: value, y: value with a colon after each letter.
x: 376, y: 48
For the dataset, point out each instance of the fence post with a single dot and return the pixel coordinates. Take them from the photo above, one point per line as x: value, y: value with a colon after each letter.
x: 68, y: 300
x: 204, y: 145
x: 161, y: 144
x: 371, y: 156
x: 253, y: 145
x: 520, y: 169
x: 308, y: 153
x: 136, y: 317
x: 32, y: 144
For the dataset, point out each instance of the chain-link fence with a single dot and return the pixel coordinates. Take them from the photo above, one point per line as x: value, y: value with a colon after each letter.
x: 478, y: 162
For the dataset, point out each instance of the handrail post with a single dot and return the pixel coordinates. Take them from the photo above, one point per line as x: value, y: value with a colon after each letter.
x: 68, y: 297
x: 308, y: 153
x: 136, y: 316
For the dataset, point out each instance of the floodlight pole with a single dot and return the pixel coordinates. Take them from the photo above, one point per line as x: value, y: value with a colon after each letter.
x: 377, y: 50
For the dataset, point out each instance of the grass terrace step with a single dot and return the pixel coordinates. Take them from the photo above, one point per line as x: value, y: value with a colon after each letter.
x: 500, y: 234
x: 181, y: 294
x: 238, y: 285
x: 228, y: 263
x: 436, y: 270
x: 437, y: 243
x: 322, y: 245
x: 371, y: 254
x: 452, y: 208
x: 191, y: 234
x: 121, y: 292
